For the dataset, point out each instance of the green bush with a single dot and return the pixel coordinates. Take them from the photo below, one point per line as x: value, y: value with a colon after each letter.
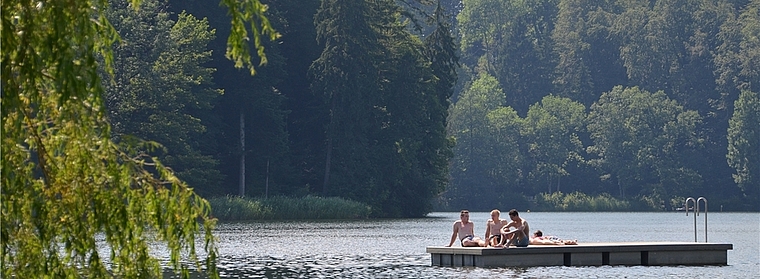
x: 578, y: 201
x: 233, y: 208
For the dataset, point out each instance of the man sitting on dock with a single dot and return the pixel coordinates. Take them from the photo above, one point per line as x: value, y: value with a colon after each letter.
x: 516, y: 231
x: 493, y: 228
x: 466, y: 231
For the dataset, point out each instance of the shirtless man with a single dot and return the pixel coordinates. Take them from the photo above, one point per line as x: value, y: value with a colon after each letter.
x: 520, y: 236
x: 539, y: 239
x: 493, y: 228
x: 464, y: 228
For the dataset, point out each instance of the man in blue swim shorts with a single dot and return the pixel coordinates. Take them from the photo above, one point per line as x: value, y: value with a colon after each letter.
x: 516, y: 231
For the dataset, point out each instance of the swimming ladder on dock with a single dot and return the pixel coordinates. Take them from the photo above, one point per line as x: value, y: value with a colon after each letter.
x: 584, y: 254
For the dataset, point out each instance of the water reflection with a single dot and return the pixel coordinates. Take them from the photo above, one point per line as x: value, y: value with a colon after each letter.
x: 319, y: 267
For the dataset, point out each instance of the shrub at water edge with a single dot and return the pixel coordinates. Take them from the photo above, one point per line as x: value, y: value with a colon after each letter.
x: 234, y: 208
x: 578, y: 201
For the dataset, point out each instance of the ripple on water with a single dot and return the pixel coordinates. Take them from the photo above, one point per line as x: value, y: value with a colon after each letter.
x: 396, y: 248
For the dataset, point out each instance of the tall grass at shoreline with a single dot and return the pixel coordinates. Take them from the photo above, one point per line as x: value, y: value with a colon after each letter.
x: 577, y: 201
x: 234, y: 208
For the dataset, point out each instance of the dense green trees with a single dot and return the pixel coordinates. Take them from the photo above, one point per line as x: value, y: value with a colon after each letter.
x: 66, y: 186
x: 551, y: 96
x: 696, y: 55
x: 511, y: 41
x: 262, y: 162
x: 161, y: 92
x: 385, y: 140
x: 349, y: 104
x: 346, y: 76
x: 352, y: 103
x: 478, y: 157
x: 551, y: 135
x: 639, y: 139
x: 744, y: 144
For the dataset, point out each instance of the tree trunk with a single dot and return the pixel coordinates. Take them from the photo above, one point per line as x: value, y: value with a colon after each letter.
x: 241, y: 187
x: 620, y: 187
x: 328, y: 156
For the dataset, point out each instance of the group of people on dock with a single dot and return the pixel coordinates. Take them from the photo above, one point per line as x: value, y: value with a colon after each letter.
x: 501, y: 233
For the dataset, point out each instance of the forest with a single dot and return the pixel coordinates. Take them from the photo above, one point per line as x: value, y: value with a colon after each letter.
x: 414, y: 106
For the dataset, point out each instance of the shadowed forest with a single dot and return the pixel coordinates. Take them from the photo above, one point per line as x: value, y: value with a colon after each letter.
x: 134, y: 126
x: 411, y: 106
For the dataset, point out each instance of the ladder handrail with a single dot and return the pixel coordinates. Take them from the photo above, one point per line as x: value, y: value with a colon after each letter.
x: 686, y: 207
x: 705, y: 200
x: 696, y: 213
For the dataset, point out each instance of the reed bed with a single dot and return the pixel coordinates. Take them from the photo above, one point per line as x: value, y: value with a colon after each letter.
x: 578, y: 201
x: 235, y: 208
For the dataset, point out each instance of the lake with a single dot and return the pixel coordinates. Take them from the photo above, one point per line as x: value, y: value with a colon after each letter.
x: 395, y: 248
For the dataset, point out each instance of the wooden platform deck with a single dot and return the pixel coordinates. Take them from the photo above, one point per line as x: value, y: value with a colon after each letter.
x: 585, y: 254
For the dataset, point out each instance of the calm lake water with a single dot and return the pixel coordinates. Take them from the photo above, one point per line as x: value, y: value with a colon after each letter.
x: 396, y: 248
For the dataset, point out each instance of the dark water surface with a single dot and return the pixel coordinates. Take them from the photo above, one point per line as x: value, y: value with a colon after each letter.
x: 396, y: 248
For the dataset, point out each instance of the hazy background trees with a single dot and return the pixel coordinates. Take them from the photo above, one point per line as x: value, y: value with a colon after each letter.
x: 650, y: 148
x: 744, y: 144
x: 618, y: 99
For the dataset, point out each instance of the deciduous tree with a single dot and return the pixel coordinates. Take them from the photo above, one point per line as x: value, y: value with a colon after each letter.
x: 475, y: 156
x: 639, y: 138
x: 160, y: 90
x: 66, y: 185
x: 551, y: 135
x: 744, y: 144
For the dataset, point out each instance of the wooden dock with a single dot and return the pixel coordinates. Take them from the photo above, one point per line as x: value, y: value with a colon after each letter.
x: 585, y: 254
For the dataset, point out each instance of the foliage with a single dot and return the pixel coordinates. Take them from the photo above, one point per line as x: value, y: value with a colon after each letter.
x: 577, y: 201
x: 385, y: 139
x: 480, y: 163
x: 161, y: 92
x: 506, y: 147
x: 639, y: 136
x: 510, y: 40
x: 551, y: 135
x: 737, y: 56
x: 251, y: 12
x: 346, y: 76
x: 234, y: 208
x: 66, y: 185
x: 744, y: 144
x: 260, y: 99
x: 231, y: 208
x: 700, y: 54
x: 572, y: 75
x: 307, y: 117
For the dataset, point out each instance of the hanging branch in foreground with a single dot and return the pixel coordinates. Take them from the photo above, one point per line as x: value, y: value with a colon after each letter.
x: 75, y: 203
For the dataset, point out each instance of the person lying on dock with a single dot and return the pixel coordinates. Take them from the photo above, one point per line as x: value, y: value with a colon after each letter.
x: 493, y: 228
x: 465, y: 229
x: 515, y: 232
x: 539, y: 239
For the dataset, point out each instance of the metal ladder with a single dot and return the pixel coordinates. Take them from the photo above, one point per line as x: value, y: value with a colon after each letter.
x: 696, y: 213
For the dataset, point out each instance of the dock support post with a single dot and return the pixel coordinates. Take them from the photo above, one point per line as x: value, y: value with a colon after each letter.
x: 645, y: 258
